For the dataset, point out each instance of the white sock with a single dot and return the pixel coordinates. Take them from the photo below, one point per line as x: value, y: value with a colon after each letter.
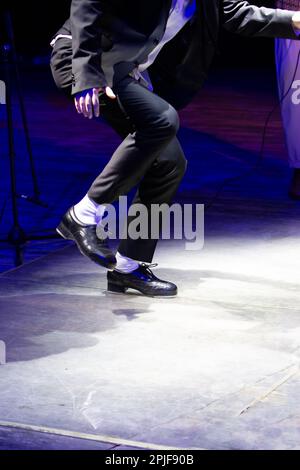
x: 125, y: 265
x: 89, y: 212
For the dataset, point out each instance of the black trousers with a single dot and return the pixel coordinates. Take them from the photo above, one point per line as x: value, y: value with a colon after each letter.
x: 150, y: 155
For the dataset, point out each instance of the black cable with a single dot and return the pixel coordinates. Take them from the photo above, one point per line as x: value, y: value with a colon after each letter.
x: 252, y: 170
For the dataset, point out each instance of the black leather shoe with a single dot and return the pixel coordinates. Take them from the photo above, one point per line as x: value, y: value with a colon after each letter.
x: 143, y: 280
x: 294, y: 191
x: 86, y: 238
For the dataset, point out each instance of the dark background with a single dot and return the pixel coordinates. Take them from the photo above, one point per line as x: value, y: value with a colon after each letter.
x: 36, y: 22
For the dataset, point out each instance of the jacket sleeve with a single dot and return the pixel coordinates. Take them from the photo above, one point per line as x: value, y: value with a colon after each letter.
x: 86, y: 43
x: 249, y: 20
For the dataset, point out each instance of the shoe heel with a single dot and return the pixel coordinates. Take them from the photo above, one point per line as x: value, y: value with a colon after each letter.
x: 63, y: 232
x: 112, y: 287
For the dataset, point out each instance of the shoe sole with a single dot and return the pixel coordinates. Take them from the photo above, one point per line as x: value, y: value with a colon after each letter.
x: 121, y: 290
x: 64, y: 233
x: 144, y: 295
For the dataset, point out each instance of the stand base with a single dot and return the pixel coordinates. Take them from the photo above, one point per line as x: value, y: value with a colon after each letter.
x: 18, y: 239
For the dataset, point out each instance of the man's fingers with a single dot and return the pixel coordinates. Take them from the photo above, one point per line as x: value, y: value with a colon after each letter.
x: 110, y: 93
x: 88, y: 106
x: 87, y: 103
x: 77, y: 106
x: 82, y: 105
x: 95, y: 102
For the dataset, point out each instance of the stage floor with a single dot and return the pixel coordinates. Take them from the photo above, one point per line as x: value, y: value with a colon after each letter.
x: 215, y: 368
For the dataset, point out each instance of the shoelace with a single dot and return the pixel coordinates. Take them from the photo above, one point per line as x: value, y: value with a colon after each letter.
x: 148, y: 266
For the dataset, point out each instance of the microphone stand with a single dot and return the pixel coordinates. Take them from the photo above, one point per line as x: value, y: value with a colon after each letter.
x: 17, y: 236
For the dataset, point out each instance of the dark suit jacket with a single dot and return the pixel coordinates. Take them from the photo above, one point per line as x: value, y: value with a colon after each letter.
x: 111, y: 37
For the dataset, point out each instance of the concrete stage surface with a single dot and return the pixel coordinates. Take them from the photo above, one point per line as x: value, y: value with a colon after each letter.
x: 215, y: 368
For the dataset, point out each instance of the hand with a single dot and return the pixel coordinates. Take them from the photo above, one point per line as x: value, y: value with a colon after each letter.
x: 296, y: 21
x: 87, y: 101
